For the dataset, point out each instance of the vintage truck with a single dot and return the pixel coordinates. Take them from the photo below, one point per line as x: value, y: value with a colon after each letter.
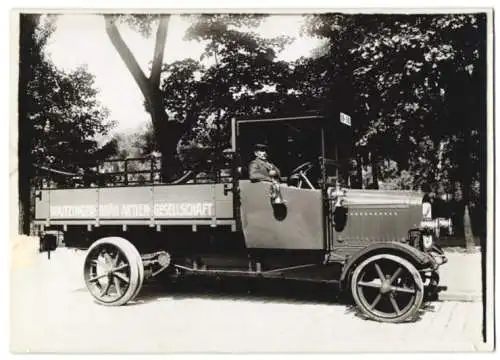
x: 373, y: 245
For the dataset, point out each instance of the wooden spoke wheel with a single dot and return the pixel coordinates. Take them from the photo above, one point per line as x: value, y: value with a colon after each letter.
x: 387, y: 288
x: 113, y: 271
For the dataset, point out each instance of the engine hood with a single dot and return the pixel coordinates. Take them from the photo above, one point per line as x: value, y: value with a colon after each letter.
x: 382, y: 197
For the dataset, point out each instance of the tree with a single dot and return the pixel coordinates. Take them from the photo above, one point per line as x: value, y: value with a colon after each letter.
x: 168, y: 131
x: 238, y: 75
x: 466, y: 123
x: 59, y: 116
x: 68, y: 120
x: 30, y: 55
x: 417, y: 87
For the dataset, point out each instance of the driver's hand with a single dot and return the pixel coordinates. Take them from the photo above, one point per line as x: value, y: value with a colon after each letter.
x: 272, y: 173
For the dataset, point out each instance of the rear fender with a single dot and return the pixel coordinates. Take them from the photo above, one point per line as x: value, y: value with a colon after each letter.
x: 418, y: 258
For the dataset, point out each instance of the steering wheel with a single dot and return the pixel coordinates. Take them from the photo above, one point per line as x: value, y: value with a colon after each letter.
x: 300, y: 172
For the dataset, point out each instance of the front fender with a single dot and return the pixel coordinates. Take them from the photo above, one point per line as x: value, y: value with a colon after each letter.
x: 418, y: 258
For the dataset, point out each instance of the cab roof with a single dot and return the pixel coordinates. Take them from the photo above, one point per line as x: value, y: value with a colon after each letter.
x: 283, y: 116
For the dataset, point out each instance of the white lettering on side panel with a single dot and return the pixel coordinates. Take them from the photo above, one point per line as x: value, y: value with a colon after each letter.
x: 135, y: 210
x: 109, y: 211
x: 183, y: 210
x: 73, y: 211
x: 160, y: 210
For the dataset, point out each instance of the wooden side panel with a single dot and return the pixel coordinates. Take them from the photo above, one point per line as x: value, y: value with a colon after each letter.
x: 42, y: 204
x: 151, y: 203
x: 184, y: 201
x: 224, y: 201
x: 125, y: 202
x: 74, y: 203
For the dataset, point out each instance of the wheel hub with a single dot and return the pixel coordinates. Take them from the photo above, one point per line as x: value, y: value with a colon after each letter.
x: 386, y: 287
x: 107, y: 268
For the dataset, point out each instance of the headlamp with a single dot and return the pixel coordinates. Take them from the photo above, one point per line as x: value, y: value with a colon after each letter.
x: 436, y: 224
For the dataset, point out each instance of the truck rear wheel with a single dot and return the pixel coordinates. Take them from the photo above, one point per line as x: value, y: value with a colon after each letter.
x: 387, y: 288
x: 113, y: 271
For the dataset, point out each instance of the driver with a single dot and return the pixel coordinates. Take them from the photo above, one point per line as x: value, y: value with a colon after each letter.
x: 260, y: 169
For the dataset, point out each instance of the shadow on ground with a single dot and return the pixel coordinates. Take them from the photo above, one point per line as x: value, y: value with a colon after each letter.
x: 242, y: 289
x: 255, y: 290
x: 426, y: 308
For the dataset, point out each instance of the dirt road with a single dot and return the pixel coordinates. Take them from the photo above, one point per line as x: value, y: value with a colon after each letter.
x: 52, y: 312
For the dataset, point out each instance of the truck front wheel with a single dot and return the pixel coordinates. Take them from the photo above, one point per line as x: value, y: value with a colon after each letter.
x: 387, y: 288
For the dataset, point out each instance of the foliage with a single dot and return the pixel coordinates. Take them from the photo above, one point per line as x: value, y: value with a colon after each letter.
x: 416, y: 84
x: 409, y: 76
x: 237, y: 75
x: 136, y: 144
x: 142, y: 23
x: 60, y: 118
x: 411, y: 82
x: 68, y: 119
x: 63, y: 113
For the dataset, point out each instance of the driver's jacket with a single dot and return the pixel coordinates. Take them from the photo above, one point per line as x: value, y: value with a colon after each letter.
x: 258, y: 170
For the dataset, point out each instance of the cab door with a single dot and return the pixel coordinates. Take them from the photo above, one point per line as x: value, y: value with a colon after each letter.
x: 297, y: 224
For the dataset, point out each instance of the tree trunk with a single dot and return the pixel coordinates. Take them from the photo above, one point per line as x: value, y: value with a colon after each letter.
x: 167, y: 136
x: 127, y: 57
x: 375, y: 170
x: 167, y: 133
x: 27, y: 46
x: 480, y: 79
x: 359, y: 172
x: 25, y: 175
x: 466, y: 187
x: 402, y: 160
x: 469, y: 236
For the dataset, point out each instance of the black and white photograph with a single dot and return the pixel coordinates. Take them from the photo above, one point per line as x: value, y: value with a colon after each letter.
x: 251, y: 181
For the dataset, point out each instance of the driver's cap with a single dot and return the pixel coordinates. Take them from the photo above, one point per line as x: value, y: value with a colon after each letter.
x: 260, y: 147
